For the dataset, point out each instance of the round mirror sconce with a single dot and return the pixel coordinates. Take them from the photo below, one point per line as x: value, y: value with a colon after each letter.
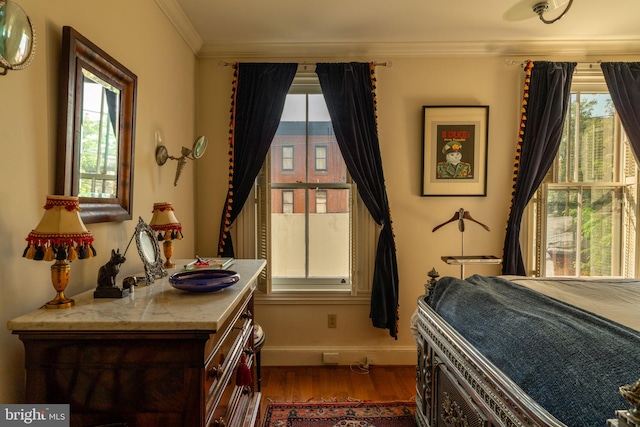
x: 193, y: 153
x: 17, y: 37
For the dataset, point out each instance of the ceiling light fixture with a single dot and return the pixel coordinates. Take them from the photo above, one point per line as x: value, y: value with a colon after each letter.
x: 543, y: 6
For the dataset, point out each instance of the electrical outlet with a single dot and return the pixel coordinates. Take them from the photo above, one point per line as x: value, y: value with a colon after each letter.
x: 332, y: 321
x: 330, y: 358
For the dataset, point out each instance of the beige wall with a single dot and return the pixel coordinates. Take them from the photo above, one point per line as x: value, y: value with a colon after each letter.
x: 298, y: 333
x: 137, y: 34
x: 403, y: 89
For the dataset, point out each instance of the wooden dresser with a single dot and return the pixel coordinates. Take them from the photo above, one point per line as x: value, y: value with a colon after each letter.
x: 159, y: 357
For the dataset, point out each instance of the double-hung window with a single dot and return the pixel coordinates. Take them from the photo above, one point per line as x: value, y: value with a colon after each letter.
x: 586, y: 209
x: 311, y: 226
x: 310, y: 249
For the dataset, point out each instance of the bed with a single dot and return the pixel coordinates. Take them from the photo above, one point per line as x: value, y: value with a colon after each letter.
x: 515, y: 351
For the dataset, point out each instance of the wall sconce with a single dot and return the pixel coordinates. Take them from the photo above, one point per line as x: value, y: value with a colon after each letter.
x: 198, y: 149
x: 60, y: 236
x: 17, y: 37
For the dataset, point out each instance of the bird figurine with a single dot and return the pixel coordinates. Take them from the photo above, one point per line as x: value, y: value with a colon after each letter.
x: 631, y: 393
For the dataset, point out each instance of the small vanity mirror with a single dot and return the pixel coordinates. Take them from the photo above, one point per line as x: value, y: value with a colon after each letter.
x: 95, y: 130
x: 199, y: 146
x: 149, y: 252
x: 17, y: 37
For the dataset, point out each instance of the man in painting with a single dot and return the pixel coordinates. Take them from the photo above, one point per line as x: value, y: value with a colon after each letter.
x: 453, y: 167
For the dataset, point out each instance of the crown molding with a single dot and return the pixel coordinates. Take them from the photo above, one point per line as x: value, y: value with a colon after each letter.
x: 176, y: 16
x: 526, y: 48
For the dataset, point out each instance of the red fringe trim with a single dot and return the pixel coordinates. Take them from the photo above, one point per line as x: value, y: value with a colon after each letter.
x: 227, y: 207
x: 523, y: 120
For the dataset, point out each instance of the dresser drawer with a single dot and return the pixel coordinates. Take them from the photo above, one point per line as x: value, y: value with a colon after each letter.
x: 223, y: 400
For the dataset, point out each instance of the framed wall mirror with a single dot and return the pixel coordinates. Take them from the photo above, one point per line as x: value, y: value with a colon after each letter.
x: 96, y: 129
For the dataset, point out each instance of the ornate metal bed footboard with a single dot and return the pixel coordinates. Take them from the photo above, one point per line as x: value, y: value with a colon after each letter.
x: 457, y: 386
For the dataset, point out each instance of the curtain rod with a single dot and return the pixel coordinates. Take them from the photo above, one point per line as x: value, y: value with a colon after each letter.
x: 523, y: 63
x: 306, y: 64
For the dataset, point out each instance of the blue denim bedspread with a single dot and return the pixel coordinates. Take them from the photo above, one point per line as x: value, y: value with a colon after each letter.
x: 570, y: 361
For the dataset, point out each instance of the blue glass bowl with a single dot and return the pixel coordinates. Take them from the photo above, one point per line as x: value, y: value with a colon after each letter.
x: 204, y: 280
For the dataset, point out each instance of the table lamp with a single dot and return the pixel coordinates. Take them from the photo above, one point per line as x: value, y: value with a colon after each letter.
x: 60, y: 236
x: 164, y: 221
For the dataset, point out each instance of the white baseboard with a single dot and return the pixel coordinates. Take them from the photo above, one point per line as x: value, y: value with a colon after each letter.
x: 312, y: 356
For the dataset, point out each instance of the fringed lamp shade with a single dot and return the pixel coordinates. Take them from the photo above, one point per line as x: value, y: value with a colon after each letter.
x: 60, y: 236
x: 165, y: 223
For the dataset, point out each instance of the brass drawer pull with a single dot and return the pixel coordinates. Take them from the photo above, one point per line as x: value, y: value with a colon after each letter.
x: 247, y: 315
x: 220, y: 422
x: 215, y: 372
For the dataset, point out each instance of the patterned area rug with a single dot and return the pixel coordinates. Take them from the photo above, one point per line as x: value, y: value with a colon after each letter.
x: 341, y: 414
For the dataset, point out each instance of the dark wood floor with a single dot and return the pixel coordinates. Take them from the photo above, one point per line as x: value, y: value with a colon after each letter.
x: 318, y: 383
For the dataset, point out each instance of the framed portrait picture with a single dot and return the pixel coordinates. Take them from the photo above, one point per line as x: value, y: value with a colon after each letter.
x: 454, y: 156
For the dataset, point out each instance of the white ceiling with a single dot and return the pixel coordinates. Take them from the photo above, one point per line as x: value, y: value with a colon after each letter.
x: 385, y: 27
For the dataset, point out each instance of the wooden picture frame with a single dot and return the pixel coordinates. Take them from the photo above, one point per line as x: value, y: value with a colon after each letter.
x: 462, y: 131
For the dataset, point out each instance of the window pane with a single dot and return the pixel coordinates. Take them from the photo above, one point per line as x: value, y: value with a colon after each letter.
x: 561, y: 247
x: 600, y: 232
x: 288, y: 253
x: 290, y: 141
x: 322, y: 143
x: 586, y: 221
x: 587, y: 149
x: 329, y: 238
x: 597, y: 154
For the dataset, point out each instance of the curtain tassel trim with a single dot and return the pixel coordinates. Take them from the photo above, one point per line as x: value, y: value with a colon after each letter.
x: 523, y: 120
x: 226, y: 225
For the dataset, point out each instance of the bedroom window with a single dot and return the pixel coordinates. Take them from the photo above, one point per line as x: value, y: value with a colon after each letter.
x: 310, y: 250
x: 324, y: 249
x: 586, y: 209
x: 325, y: 246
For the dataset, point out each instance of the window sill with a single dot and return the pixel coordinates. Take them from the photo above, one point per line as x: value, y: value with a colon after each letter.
x: 310, y: 297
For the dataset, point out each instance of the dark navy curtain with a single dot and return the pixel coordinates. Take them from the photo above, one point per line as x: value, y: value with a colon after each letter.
x: 257, y: 104
x: 623, y: 81
x: 545, y: 107
x: 348, y: 89
x: 112, y: 106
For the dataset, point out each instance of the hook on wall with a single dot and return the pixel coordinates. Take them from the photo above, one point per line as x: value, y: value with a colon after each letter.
x: 193, y: 153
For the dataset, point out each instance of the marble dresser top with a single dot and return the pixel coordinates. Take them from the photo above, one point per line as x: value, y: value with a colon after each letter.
x: 155, y: 307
